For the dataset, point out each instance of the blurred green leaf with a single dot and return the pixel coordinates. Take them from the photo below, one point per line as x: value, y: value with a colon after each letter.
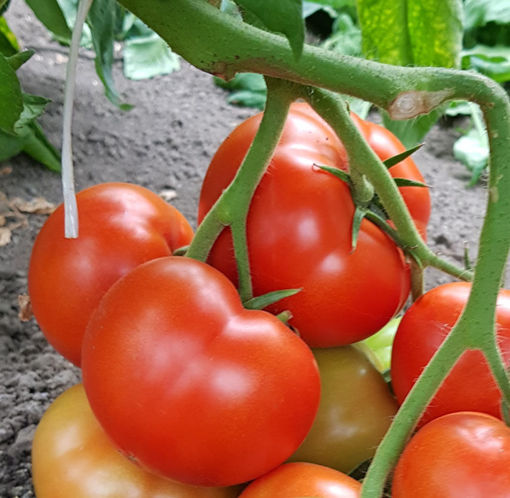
x: 247, y: 89
x: 345, y: 38
x: 494, y: 62
x: 11, y: 100
x: 412, y: 32
x: 33, y: 107
x: 146, y: 54
x: 481, y: 12
x: 8, y: 43
x: 17, y: 60
x: 51, y: 15
x: 101, y: 20
x: 283, y: 16
x: 39, y: 148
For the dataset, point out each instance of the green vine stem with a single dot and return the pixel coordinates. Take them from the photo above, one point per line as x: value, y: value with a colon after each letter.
x: 231, y: 209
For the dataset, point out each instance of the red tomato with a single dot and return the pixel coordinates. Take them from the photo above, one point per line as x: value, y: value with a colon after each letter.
x: 460, y: 455
x: 73, y: 458
x: 121, y: 226
x: 299, y: 232
x: 192, y: 385
x: 470, y: 385
x: 292, y: 480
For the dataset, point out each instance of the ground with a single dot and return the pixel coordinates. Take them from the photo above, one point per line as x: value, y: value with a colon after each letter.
x: 165, y: 144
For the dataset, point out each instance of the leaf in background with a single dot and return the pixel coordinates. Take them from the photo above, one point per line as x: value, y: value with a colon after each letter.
x: 458, y: 108
x: 101, y: 20
x: 8, y: 43
x: 11, y: 100
x: 412, y: 32
x: 17, y: 60
x: 146, y: 54
x: 39, y: 148
x: 70, y: 10
x: 346, y: 37
x: 33, y: 107
x: 494, y: 62
x: 248, y: 89
x: 480, y: 12
x: 311, y: 7
x: 51, y: 15
x: 283, y: 16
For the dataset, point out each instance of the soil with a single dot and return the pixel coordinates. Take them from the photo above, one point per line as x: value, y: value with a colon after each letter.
x: 164, y: 143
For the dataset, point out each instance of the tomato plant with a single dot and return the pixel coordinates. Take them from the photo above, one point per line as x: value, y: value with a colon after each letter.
x: 299, y: 231
x: 121, y: 226
x: 355, y: 410
x: 192, y: 385
x: 470, y: 385
x: 73, y: 457
x: 303, y: 479
x: 457, y: 455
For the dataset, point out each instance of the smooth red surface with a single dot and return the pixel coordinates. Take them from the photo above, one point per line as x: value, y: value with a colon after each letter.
x: 191, y: 384
x: 120, y: 226
x: 470, y: 385
x: 299, y: 231
x: 460, y: 455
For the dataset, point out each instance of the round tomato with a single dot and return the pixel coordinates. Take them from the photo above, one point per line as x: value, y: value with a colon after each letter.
x: 470, y: 385
x: 73, y: 458
x: 299, y: 232
x: 191, y: 384
x: 463, y: 454
x: 291, y: 480
x: 355, y: 410
x: 121, y: 226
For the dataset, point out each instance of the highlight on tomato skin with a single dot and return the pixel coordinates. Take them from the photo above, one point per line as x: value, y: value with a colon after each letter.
x: 190, y: 383
x: 299, y: 479
x: 455, y: 456
x: 72, y: 457
x: 424, y: 326
x: 121, y: 226
x: 299, y: 231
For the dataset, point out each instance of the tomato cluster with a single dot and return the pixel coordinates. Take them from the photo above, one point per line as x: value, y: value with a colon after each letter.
x: 186, y: 393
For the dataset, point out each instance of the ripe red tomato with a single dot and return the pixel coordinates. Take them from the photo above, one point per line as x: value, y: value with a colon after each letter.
x: 299, y: 232
x: 291, y: 480
x: 470, y: 385
x: 72, y: 457
x: 463, y: 454
x: 121, y: 226
x: 192, y: 385
x: 355, y: 411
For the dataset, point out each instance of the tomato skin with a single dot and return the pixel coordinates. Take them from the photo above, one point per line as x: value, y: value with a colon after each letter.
x: 459, y: 455
x: 355, y: 411
x: 191, y: 384
x: 470, y: 385
x: 73, y: 457
x: 121, y: 226
x: 299, y: 235
x: 291, y: 480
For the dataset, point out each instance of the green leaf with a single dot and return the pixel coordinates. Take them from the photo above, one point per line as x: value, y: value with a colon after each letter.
x: 10, y: 145
x: 261, y: 302
x: 494, y: 62
x: 359, y: 215
x: 11, y: 100
x: 148, y: 56
x: 101, y: 20
x: 391, y: 161
x: 412, y: 131
x: 412, y: 32
x: 339, y: 173
x: 472, y: 150
x: 481, y: 12
x: 17, y: 60
x: 248, y: 89
x: 51, y: 15
x: 33, y: 107
x: 406, y: 182
x: 283, y: 16
x: 38, y: 147
x: 345, y: 38
x: 3, y: 6
x: 8, y: 43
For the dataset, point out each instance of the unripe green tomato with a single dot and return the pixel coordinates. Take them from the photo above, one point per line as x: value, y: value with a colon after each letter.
x: 355, y: 410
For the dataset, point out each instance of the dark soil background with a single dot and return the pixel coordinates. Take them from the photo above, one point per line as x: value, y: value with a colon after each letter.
x: 165, y: 144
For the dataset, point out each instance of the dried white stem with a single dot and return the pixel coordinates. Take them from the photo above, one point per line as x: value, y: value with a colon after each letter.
x: 70, y: 207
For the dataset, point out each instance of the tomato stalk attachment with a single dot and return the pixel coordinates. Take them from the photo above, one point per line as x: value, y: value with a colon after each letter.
x: 231, y: 209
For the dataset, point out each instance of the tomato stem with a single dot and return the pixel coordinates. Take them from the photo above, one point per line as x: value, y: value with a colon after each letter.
x: 231, y: 208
